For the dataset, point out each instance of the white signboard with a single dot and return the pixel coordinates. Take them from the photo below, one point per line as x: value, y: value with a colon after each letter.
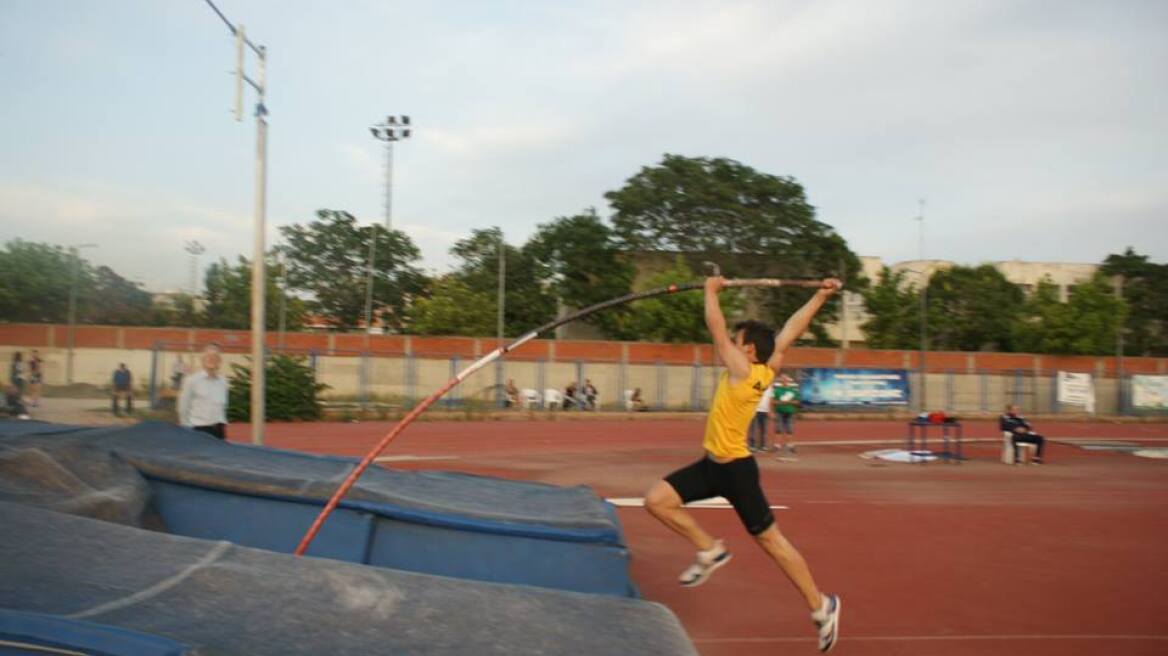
x: 1150, y: 392
x: 1076, y: 389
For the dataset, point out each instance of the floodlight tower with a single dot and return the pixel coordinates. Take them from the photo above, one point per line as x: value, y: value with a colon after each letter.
x: 395, y: 128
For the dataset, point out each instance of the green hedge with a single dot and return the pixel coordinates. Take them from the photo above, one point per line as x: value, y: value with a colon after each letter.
x: 292, y: 390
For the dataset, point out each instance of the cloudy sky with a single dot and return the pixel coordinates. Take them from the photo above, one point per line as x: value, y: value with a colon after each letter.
x: 1033, y: 129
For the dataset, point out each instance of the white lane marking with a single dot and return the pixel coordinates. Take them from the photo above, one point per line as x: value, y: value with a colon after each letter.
x: 716, y: 502
x: 408, y: 458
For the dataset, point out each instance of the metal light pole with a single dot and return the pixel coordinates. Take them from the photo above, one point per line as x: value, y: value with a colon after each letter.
x: 394, y: 129
x: 261, y: 166
x: 924, y: 307
x: 73, y: 250
x: 194, y: 249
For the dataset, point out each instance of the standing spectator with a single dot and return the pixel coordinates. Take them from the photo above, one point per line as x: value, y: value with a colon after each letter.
x: 35, y: 378
x: 16, y: 372
x: 202, y: 405
x: 512, y: 392
x: 786, y: 402
x: 756, y: 438
x: 1021, y: 432
x: 123, y: 389
x: 590, y: 393
x: 178, y: 372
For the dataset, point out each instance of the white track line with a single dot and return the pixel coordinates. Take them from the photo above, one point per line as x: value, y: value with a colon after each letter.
x: 947, y: 638
x: 716, y: 502
x: 408, y: 458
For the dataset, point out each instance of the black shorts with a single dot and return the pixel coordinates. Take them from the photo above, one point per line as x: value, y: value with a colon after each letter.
x: 736, y: 480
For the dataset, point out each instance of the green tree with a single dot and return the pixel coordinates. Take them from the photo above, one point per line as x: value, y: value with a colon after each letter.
x: 1145, y: 288
x: 452, y: 308
x: 752, y: 224
x: 527, y: 303
x: 291, y: 391
x: 675, y: 317
x: 228, y: 297
x: 894, y: 313
x: 115, y: 300
x: 35, y: 280
x: 583, y: 265
x: 1085, y: 325
x: 329, y: 259
x: 973, y: 309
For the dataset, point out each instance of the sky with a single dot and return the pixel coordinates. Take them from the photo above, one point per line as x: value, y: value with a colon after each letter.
x: 1033, y: 130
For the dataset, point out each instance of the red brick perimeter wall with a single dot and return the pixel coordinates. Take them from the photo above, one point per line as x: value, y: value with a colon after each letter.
x: 334, y: 344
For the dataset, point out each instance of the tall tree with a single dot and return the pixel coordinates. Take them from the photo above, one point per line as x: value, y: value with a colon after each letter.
x: 228, y: 297
x: 751, y: 223
x: 973, y: 309
x: 1145, y: 288
x: 1085, y: 325
x: 894, y: 313
x: 452, y: 308
x: 115, y: 300
x: 35, y: 280
x: 676, y: 317
x: 583, y: 264
x: 527, y: 304
x: 329, y: 259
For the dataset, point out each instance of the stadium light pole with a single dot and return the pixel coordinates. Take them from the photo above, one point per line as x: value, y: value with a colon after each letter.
x: 395, y: 128
x: 258, y: 260
x: 194, y: 249
x: 76, y: 257
x: 924, y: 304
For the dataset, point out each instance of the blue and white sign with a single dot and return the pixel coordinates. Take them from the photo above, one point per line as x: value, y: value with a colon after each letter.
x: 853, y: 387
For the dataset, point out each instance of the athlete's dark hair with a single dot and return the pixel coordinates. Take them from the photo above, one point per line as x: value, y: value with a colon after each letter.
x: 759, y: 334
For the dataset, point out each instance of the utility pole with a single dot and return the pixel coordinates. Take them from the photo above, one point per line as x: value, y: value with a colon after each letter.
x: 261, y: 181
x: 924, y: 307
x: 394, y: 129
x: 76, y: 273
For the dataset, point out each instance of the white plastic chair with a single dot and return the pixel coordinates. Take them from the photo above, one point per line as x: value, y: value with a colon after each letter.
x: 628, y: 400
x: 528, y: 398
x: 552, y: 398
x: 1026, y: 452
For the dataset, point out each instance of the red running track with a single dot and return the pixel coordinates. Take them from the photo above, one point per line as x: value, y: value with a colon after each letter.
x: 976, y: 558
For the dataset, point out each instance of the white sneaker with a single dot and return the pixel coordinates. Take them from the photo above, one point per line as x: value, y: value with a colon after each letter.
x: 827, y: 620
x: 707, y: 561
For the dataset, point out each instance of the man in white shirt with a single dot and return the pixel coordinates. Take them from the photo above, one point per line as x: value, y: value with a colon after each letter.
x: 202, y: 404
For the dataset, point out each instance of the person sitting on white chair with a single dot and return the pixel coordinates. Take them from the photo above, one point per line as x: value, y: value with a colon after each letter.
x: 1021, y: 432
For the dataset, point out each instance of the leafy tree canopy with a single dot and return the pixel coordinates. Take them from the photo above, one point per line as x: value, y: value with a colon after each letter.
x: 582, y: 262
x: 676, y: 317
x: 752, y: 224
x: 972, y: 309
x: 228, y: 297
x: 329, y: 259
x: 894, y: 313
x: 1145, y: 288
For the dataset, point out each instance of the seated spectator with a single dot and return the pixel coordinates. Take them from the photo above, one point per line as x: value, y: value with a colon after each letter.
x: 590, y: 393
x: 636, y: 403
x: 13, y: 403
x: 512, y: 394
x: 1021, y: 432
x: 123, y: 389
x: 570, y: 395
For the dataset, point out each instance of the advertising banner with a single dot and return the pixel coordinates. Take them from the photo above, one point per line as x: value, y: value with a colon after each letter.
x: 1076, y: 389
x: 853, y: 387
x: 1150, y: 392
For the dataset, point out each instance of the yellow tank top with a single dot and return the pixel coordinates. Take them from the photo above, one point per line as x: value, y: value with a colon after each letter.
x: 731, y: 411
